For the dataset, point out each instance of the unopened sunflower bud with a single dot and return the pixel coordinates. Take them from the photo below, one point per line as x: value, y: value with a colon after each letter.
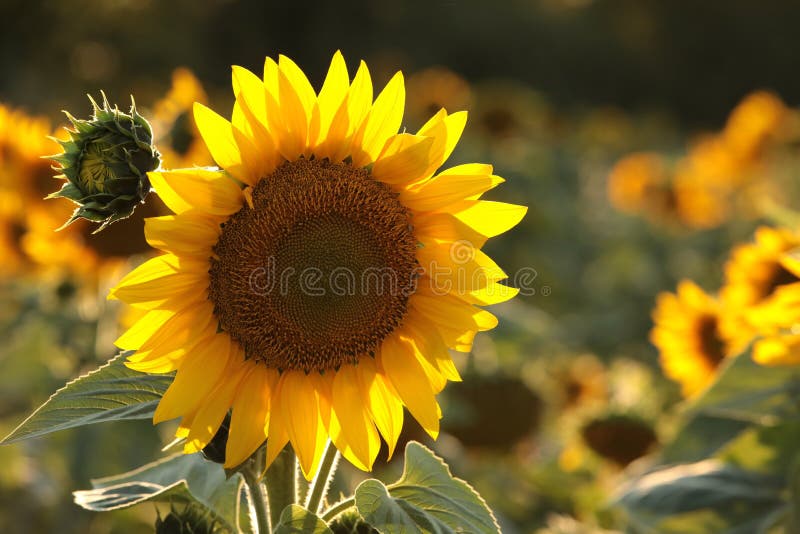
x: 105, y: 163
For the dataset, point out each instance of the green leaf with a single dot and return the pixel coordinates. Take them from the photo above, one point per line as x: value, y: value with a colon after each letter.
x: 426, y: 499
x: 297, y: 520
x: 110, y: 393
x: 707, y: 496
x: 187, y: 478
x: 744, y: 396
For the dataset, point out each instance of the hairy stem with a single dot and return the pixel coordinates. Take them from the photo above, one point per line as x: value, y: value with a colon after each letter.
x: 319, y: 486
x: 258, y: 498
x: 338, y: 508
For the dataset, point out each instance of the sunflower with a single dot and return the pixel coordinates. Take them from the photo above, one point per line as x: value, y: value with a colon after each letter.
x: 314, y: 284
x: 177, y: 136
x: 640, y: 184
x: 760, y: 293
x: 434, y: 88
x: 687, y: 336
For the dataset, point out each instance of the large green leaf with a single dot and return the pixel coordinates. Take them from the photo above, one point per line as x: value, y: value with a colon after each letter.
x: 187, y: 478
x: 707, y: 496
x: 426, y: 500
x: 110, y: 393
x: 297, y: 520
x: 744, y: 396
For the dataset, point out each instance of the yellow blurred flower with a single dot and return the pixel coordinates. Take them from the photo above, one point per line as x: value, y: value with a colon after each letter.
x: 177, y: 137
x: 757, y: 117
x: 582, y: 382
x: 759, y: 291
x: 715, y: 177
x: 687, y: 335
x: 434, y: 88
x: 640, y: 184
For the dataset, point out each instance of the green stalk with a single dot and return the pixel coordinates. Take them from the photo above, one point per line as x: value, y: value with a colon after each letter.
x: 280, y: 483
x: 337, y: 509
x: 319, y: 486
x: 258, y: 496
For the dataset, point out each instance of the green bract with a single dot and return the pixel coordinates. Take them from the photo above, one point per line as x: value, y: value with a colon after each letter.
x: 105, y: 163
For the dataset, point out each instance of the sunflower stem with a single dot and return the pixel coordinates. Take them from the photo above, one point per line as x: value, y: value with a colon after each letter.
x: 338, y: 508
x: 280, y: 483
x: 319, y: 486
x: 258, y: 497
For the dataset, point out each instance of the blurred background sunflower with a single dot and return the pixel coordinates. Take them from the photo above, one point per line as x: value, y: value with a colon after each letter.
x: 644, y: 160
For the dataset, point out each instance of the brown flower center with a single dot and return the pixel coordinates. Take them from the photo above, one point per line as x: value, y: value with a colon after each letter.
x: 711, y: 344
x: 317, y: 272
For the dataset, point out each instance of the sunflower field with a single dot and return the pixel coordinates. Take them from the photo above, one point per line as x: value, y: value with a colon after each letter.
x: 529, y: 267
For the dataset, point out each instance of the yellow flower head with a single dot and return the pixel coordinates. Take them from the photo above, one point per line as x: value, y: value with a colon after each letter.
x: 760, y: 293
x: 687, y: 336
x: 639, y: 183
x: 176, y: 133
x: 755, y: 119
x: 314, y: 285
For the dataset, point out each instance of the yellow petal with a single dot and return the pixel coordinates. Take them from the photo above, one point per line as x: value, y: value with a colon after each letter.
x: 489, y: 218
x: 251, y: 95
x: 259, y: 153
x: 250, y: 415
x: 217, y: 133
x: 493, y: 293
x: 403, y: 159
x: 163, y: 282
x: 446, y: 131
x: 333, y: 96
x: 406, y: 374
x: 457, y: 268
x: 450, y: 186
x: 277, y: 437
x: 176, y: 339
x: 358, y: 439
x: 382, y: 402
x: 430, y: 344
x: 207, y: 191
x: 383, y: 121
x: 299, y: 407
x: 305, y: 93
x: 293, y: 136
x: 212, y: 412
x: 196, y: 380
x: 359, y: 100
x: 444, y: 227
x: 143, y: 329
x: 187, y: 233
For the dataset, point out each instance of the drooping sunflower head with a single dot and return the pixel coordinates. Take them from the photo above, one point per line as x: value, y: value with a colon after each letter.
x: 314, y: 285
x: 687, y: 335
